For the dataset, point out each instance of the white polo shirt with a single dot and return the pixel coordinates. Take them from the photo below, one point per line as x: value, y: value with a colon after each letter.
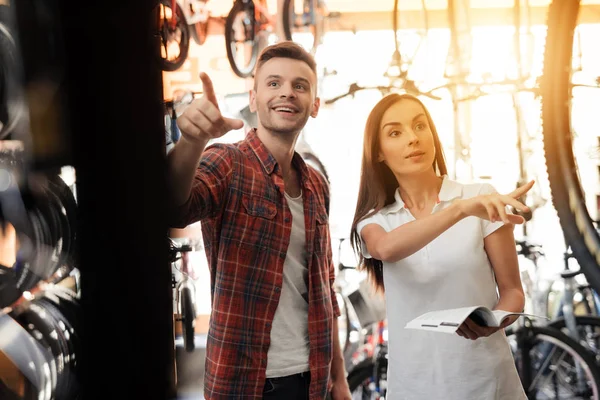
x: 451, y: 271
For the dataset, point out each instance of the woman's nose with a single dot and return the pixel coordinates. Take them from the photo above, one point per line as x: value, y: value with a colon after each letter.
x: 412, y: 137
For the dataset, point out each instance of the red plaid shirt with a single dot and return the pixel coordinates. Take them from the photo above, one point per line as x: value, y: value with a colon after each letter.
x: 238, y: 194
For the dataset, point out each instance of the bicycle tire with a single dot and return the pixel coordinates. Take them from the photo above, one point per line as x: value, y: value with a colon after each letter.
x: 584, y: 354
x: 343, y: 305
x: 316, y: 163
x: 12, y: 102
x: 396, y: 27
x: 567, y: 194
x: 241, y: 71
x: 188, y: 319
x: 318, y: 26
x: 583, y: 320
x: 199, y: 32
x: 184, y: 45
x: 361, y: 372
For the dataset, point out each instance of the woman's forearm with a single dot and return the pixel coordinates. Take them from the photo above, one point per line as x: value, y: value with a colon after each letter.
x: 409, y: 238
x: 512, y: 300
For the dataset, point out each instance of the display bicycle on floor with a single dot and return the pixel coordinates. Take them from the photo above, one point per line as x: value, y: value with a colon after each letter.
x: 184, y: 290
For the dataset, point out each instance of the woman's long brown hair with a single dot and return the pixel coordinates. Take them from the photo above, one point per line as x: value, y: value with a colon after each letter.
x: 377, y: 182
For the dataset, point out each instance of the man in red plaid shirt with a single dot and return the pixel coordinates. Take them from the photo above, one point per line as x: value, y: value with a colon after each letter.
x: 264, y: 212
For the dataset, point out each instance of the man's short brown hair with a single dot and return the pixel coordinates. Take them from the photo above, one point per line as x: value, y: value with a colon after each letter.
x: 286, y: 49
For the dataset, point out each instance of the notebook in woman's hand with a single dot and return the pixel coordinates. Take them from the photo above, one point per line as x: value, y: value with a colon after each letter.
x: 448, y: 321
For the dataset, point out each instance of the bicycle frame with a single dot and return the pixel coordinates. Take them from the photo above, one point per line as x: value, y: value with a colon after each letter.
x: 308, y: 12
x: 185, y: 5
x: 173, y: 19
x: 262, y: 9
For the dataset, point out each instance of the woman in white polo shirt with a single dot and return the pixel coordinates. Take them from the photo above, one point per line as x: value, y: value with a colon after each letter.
x: 436, y: 244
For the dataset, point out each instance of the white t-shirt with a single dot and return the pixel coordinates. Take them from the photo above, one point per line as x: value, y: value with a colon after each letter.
x: 451, y: 271
x: 289, y: 350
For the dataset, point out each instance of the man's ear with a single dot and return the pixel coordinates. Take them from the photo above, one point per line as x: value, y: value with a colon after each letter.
x: 252, y: 100
x: 315, y: 107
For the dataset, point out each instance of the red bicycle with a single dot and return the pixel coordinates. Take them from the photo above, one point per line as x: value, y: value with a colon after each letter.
x: 302, y: 22
x: 178, y: 20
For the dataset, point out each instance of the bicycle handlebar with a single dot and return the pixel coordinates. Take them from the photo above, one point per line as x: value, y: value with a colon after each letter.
x: 478, y: 92
x: 529, y: 249
x: 176, y: 249
x: 354, y: 87
x: 408, y: 86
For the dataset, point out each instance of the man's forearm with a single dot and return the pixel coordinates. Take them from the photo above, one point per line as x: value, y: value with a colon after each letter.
x: 338, y: 370
x: 182, y: 162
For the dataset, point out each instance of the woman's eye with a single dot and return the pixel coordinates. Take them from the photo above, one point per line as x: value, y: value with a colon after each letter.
x: 420, y: 126
x: 394, y: 133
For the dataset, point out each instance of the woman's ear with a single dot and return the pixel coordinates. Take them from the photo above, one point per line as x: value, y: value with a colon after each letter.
x: 380, y: 158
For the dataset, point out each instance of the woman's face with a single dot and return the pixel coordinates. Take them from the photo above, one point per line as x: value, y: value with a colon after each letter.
x: 406, y: 140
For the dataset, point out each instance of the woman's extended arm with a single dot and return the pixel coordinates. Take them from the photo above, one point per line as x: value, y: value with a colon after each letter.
x: 411, y: 237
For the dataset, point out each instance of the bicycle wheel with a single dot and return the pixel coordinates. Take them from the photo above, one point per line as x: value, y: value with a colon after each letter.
x: 361, y: 379
x: 240, y: 28
x: 304, y: 26
x: 11, y: 98
x: 561, y: 139
x: 558, y: 366
x: 188, y: 319
x: 178, y: 36
x: 410, y: 28
x: 316, y: 163
x: 588, y: 328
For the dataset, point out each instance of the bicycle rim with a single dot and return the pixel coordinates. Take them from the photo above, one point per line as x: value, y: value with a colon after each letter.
x: 169, y: 37
x: 410, y: 28
x: 588, y: 328
x: 240, y: 28
x: 305, y: 27
x: 13, y: 108
x: 565, y: 185
x: 554, y: 359
x: 361, y: 382
x: 187, y: 320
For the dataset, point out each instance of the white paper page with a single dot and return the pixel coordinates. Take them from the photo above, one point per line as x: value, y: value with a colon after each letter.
x: 500, y: 314
x: 446, y: 321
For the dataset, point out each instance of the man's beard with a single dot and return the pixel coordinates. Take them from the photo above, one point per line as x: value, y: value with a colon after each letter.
x: 267, y: 122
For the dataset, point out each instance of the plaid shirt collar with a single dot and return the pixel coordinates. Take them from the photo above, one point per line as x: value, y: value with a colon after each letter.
x: 268, y: 161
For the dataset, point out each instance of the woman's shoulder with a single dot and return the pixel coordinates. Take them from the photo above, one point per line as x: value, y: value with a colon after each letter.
x: 473, y: 189
x: 379, y: 217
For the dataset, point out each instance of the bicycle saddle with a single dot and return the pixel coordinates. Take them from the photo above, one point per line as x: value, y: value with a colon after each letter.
x: 568, y: 274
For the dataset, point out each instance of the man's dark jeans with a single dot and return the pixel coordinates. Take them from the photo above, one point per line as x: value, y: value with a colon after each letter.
x: 293, y: 387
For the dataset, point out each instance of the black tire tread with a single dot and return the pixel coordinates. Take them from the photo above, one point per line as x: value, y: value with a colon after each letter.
x: 243, y: 72
x: 184, y: 46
